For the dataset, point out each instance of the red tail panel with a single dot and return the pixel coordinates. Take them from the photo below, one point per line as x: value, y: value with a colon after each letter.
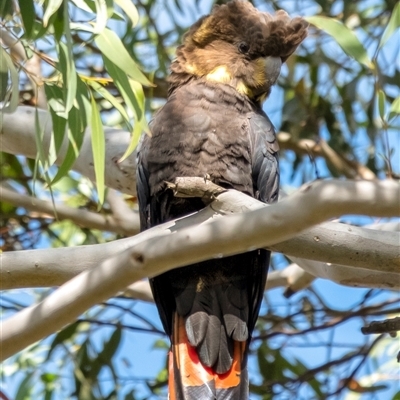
x: 190, y: 380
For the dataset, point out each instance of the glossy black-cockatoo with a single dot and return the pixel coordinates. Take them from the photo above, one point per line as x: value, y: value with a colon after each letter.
x: 213, y: 125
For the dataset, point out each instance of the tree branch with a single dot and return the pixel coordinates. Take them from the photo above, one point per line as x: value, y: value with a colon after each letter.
x: 124, y: 226
x: 350, y: 168
x: 231, y: 235
x: 367, y: 258
x: 387, y: 326
x: 349, y: 254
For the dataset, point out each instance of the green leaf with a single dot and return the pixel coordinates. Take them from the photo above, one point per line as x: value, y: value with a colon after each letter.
x: 161, y: 344
x: 109, y: 97
x: 381, y: 103
x: 77, y: 26
x: 394, y: 108
x: 101, y: 16
x: 98, y: 149
x: 316, y: 386
x: 122, y: 82
x: 83, y: 371
x: 3, y: 80
x: 62, y: 336
x: 28, y: 15
x: 130, y: 395
x: 138, y: 92
x: 52, y: 7
x: 140, y: 123
x: 102, y: 8
x: 49, y: 393
x: 82, y: 5
x: 137, y: 132
x: 25, y: 388
x: 61, y: 24
x: 48, y: 377
x: 54, y: 96
x: 10, y: 96
x: 83, y: 100
x: 67, y: 68
x: 111, y: 47
x: 41, y: 154
x: 59, y: 128
x: 266, y: 366
x: 346, y: 38
x: 70, y: 78
x: 6, y: 8
x: 55, y: 99
x: 111, y: 346
x: 129, y: 9
x: 11, y: 167
x: 75, y: 137
x: 394, y: 23
x: 77, y: 123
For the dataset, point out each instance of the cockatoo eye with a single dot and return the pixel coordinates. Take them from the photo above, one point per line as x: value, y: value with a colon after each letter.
x: 243, y: 47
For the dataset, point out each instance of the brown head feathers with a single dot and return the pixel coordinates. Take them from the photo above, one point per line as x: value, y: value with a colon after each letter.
x: 238, y: 21
x: 228, y: 47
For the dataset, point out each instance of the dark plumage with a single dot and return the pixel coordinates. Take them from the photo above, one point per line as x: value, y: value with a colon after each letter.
x: 213, y: 124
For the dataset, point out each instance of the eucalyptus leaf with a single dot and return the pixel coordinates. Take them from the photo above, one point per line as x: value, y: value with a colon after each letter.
x: 75, y: 139
x: 122, y: 82
x: 137, y: 132
x: 41, y: 154
x: 25, y: 387
x: 67, y: 68
x: 109, y: 97
x: 82, y: 5
x: 10, y: 96
x: 98, y: 149
x: 381, y: 103
x: 394, y: 108
x: 69, y: 73
x: 52, y: 7
x: 101, y: 16
x: 111, y: 346
x: 28, y: 15
x: 111, y: 46
x: 130, y: 10
x: 346, y: 38
x: 6, y: 8
x: 394, y: 23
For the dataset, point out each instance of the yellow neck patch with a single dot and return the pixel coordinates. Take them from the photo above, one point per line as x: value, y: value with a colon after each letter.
x: 242, y: 88
x: 220, y: 75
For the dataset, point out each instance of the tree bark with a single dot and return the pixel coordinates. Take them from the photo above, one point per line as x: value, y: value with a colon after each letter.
x: 237, y: 233
x: 348, y: 255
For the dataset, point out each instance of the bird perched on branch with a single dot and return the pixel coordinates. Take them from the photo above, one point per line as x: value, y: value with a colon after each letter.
x: 213, y: 125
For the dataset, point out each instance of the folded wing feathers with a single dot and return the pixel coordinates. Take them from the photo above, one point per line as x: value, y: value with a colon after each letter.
x: 213, y: 339
x: 236, y: 328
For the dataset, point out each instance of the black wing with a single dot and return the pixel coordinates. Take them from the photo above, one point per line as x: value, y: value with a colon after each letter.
x: 265, y: 161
